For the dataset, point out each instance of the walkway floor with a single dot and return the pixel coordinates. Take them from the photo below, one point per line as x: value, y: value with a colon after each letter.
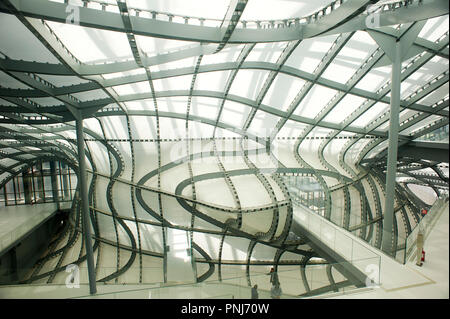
x: 18, y: 221
x: 431, y: 281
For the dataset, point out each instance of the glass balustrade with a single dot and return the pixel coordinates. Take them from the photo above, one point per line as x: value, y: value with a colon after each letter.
x: 234, y: 284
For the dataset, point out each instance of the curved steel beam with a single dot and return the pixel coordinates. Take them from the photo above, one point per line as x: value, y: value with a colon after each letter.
x: 349, y: 16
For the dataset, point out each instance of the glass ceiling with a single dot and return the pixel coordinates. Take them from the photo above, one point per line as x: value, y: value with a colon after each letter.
x: 160, y: 81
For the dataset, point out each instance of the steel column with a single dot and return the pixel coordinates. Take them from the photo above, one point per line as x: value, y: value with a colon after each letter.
x: 27, y: 186
x: 54, y: 183
x: 85, y: 205
x: 388, y: 220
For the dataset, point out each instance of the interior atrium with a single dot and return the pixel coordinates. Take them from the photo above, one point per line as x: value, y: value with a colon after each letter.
x: 182, y: 149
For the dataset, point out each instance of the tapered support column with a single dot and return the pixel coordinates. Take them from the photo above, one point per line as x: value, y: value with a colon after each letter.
x: 388, y: 221
x: 85, y: 206
x: 396, y: 51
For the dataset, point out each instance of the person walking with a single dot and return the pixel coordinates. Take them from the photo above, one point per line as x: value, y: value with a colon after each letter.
x: 419, y: 244
x: 255, y: 292
x: 273, y: 277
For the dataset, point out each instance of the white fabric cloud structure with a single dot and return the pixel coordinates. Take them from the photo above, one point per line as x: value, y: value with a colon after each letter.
x: 206, y: 122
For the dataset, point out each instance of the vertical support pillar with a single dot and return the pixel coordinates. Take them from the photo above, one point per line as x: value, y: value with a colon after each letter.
x: 40, y: 183
x: 396, y: 50
x: 54, y: 183
x: 14, y: 272
x: 65, y: 185
x: 27, y: 186
x: 14, y: 181
x: 85, y: 205
x: 388, y: 221
x: 34, y: 185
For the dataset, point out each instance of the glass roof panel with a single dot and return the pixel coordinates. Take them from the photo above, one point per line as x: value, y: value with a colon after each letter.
x: 8, y: 161
x: 414, y: 128
x: 46, y: 101
x: 344, y: 108
x: 434, y: 28
x: 9, y: 150
x: 308, y: 54
x: 63, y: 80
x: 435, y: 96
x: 173, y: 83
x: 143, y: 104
x: 234, y: 113
x: 263, y: 124
x: 290, y: 87
x: 8, y: 81
x: 212, y: 81
x: 314, y: 101
x: 426, y: 73
x: 172, y: 128
x: 351, y: 57
x: 284, y: 9
x: 371, y: 114
x: 91, y: 95
x: 266, y: 52
x: 115, y: 127
x: 375, y: 79
x: 4, y: 102
x: 21, y: 44
x: 228, y: 54
x: 204, y: 107
x: 177, y: 64
x: 93, y: 125
x: 196, y: 8
x: 173, y: 104
x: 98, y: 46
x: 123, y: 74
x: 138, y: 87
x: 198, y: 129
x: 248, y: 83
x: 155, y: 46
x: 143, y: 127
x: 220, y: 132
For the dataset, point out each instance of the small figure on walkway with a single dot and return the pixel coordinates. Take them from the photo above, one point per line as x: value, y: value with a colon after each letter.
x: 275, y: 291
x: 255, y: 292
x: 419, y: 244
x: 273, y: 277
